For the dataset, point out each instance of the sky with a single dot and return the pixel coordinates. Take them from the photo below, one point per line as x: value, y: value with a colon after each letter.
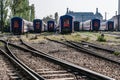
x: 44, y: 8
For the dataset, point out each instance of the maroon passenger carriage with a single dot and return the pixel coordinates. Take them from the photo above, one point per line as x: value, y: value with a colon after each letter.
x: 19, y: 26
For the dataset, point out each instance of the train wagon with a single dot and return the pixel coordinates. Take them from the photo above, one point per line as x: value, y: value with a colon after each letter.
x: 66, y: 24
x: 38, y: 25
x: 50, y: 26
x: 90, y: 25
x: 76, y: 25
x: 116, y: 20
x: 110, y: 26
x: 107, y: 26
x: 103, y: 26
x: 19, y: 26
x: 29, y: 26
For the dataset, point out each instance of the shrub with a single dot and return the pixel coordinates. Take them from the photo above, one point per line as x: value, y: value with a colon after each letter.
x: 86, y: 39
x: 116, y: 53
x: 101, y: 38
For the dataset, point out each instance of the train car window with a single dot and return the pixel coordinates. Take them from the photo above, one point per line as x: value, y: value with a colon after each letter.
x: 77, y: 24
x: 37, y: 25
x: 96, y: 24
x: 110, y: 25
x: 51, y: 25
x: 66, y: 23
x: 16, y: 24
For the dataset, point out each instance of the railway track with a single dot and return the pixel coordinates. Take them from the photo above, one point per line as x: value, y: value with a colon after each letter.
x: 45, y: 68
x: 111, y: 33
x: 81, y: 73
x: 28, y: 73
x: 97, y: 64
x: 102, y: 54
x: 88, y: 51
x: 87, y: 71
x: 91, y: 45
x: 102, y: 50
x: 7, y: 70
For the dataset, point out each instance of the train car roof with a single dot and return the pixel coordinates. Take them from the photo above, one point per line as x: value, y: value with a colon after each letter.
x: 16, y: 18
x: 66, y: 16
x: 110, y: 21
x: 95, y: 19
x: 20, y: 18
x: 89, y: 20
x: 106, y: 21
x: 37, y: 19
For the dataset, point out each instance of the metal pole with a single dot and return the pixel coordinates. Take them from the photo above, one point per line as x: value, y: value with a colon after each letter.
x: 105, y: 16
x: 118, y: 7
x: 82, y: 22
x: 118, y: 22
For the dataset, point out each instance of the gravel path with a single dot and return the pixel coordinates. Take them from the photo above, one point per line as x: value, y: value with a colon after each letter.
x: 96, y: 64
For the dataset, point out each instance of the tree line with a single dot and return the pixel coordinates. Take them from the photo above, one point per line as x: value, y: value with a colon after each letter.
x: 12, y: 8
x: 50, y: 17
x: 20, y: 8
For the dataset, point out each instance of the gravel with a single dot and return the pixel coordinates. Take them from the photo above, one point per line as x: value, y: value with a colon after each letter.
x: 82, y: 59
x: 113, y: 47
x: 36, y: 63
x: 6, y: 69
x: 3, y: 68
x: 103, y: 52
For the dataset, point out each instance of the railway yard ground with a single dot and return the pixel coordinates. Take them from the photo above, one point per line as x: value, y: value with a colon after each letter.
x: 85, y: 58
x: 112, y: 38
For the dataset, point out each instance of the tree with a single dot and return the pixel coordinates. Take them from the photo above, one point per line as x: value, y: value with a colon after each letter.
x: 20, y: 8
x: 25, y: 9
x: 32, y: 12
x: 4, y: 12
x: 56, y: 17
x: 45, y: 19
x: 14, y: 6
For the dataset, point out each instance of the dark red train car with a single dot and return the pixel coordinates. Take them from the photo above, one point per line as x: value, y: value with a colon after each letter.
x: 51, y: 26
x: 66, y: 24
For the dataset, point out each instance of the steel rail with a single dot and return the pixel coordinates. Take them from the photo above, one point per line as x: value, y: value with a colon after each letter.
x: 83, y: 49
x: 31, y: 74
x: 96, y: 46
x: 73, y: 67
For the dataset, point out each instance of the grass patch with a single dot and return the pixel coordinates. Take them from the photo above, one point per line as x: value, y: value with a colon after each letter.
x: 70, y: 37
x: 1, y: 44
x: 86, y: 39
x: 56, y: 37
x: 101, y: 38
x: 47, y: 33
x: 34, y: 37
x: 73, y: 37
x: 116, y: 53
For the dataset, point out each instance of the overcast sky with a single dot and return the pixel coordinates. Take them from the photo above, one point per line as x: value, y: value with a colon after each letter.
x: 47, y: 7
